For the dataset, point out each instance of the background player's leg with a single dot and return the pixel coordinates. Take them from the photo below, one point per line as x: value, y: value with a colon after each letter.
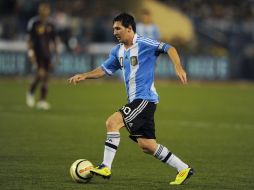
x: 30, y: 100
x: 37, y: 78
x: 42, y: 104
x: 34, y: 84
x: 160, y: 152
x: 44, y: 86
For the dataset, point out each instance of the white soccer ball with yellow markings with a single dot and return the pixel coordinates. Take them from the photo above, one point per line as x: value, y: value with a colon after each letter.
x: 80, y: 171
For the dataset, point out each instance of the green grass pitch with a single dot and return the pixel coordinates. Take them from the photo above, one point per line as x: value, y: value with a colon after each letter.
x: 210, y: 126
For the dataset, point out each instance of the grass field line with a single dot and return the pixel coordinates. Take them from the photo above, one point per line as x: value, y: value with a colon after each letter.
x: 206, y: 124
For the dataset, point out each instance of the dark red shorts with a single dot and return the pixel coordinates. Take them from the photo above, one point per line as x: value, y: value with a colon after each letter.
x: 44, y: 63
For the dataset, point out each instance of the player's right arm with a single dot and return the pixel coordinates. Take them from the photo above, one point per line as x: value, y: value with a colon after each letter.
x: 30, y: 51
x: 30, y: 45
x: 94, y: 74
x: 110, y: 66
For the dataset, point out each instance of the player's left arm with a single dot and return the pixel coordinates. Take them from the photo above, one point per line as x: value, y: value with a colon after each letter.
x: 180, y: 72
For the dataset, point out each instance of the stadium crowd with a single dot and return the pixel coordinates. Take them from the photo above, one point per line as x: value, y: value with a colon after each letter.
x: 223, y: 28
x: 76, y: 21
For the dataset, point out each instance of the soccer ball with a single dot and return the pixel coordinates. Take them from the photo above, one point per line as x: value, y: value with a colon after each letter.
x: 80, y: 171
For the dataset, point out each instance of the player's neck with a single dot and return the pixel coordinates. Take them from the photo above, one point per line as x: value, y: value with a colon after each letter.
x: 127, y: 45
x: 129, y: 42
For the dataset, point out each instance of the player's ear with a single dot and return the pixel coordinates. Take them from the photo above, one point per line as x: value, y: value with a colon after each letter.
x: 129, y: 28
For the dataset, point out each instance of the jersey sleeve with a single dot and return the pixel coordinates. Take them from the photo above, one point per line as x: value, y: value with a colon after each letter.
x: 111, y: 65
x: 158, y: 47
x: 163, y: 47
x: 30, y: 25
x: 31, y: 28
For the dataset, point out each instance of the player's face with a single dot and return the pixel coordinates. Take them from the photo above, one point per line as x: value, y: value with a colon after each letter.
x: 146, y: 18
x: 44, y: 10
x: 120, y: 32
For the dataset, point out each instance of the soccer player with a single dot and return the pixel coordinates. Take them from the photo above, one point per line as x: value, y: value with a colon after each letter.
x: 146, y: 27
x: 41, y: 34
x: 136, y: 57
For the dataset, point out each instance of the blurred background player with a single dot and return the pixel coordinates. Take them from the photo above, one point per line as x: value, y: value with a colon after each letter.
x: 41, y: 35
x: 146, y: 27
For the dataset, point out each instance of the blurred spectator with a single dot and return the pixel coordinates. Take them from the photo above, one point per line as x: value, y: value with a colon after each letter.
x: 80, y: 22
x: 146, y: 27
x: 8, y: 22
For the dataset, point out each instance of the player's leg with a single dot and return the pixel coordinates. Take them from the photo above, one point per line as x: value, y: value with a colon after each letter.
x: 30, y: 99
x: 113, y: 124
x: 43, y: 73
x: 166, y: 156
x: 162, y: 153
x: 148, y: 146
x: 44, y: 85
x: 35, y: 83
x: 145, y: 136
x: 125, y: 117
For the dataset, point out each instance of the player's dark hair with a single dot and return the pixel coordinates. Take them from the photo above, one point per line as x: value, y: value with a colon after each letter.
x: 145, y: 12
x: 126, y: 20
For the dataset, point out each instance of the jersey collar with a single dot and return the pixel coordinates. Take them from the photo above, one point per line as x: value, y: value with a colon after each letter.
x: 134, y: 38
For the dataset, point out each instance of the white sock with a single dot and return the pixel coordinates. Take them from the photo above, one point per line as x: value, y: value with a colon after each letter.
x: 111, y: 144
x: 164, y: 155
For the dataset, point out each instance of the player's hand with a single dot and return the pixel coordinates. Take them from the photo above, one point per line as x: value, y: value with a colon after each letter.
x: 77, y: 78
x: 181, y: 73
x: 33, y: 60
x: 32, y: 57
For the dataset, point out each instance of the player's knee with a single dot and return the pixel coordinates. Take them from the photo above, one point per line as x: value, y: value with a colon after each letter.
x: 111, y: 124
x: 146, y: 149
x: 44, y: 86
x: 114, y: 122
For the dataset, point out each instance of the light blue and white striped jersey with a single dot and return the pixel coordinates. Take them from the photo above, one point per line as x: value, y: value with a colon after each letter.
x: 148, y: 30
x: 138, y: 65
